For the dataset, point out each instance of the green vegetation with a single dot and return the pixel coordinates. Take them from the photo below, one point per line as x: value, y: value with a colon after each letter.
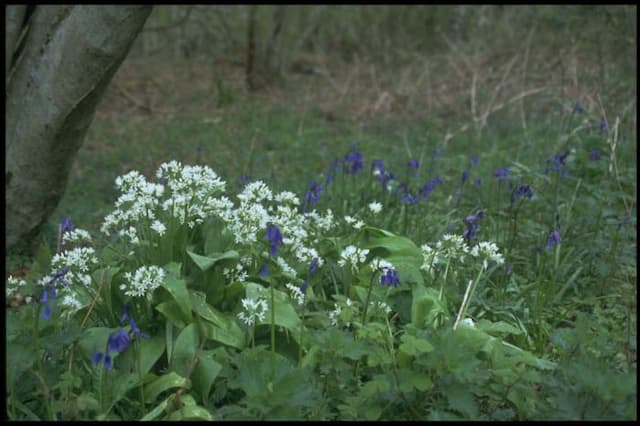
x: 546, y: 329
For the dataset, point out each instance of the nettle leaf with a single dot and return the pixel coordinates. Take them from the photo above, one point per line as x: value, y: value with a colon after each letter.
x: 177, y: 288
x: 206, y: 262
x: 461, y: 399
x: 165, y: 382
x: 408, y: 380
x: 426, y: 306
x: 412, y: 345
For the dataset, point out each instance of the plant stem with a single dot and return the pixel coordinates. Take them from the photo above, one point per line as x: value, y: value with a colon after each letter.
x: 273, y: 332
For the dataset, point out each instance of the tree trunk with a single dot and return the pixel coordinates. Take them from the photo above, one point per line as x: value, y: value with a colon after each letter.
x: 54, y: 83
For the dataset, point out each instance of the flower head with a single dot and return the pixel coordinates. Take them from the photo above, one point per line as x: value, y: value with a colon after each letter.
x: 352, y: 256
x: 430, y: 186
x: 353, y: 162
x: 274, y: 236
x: 143, y: 281
x: 254, y: 311
x: 501, y: 173
x: 66, y: 225
x: 553, y: 239
x: 595, y: 155
x: 557, y: 163
x: 118, y: 341
x: 313, y: 194
x: 523, y: 191
x: 375, y: 207
x: 390, y: 277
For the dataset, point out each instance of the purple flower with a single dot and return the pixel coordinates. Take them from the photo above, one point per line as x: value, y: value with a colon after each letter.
x: 274, y: 236
x: 313, y: 267
x: 303, y: 287
x: 377, y: 167
x: 501, y: 173
x: 553, y: 239
x: 390, y: 278
x: 557, y: 163
x: 413, y: 164
x: 602, y: 125
x: 595, y: 155
x: 465, y: 176
x: 118, y: 341
x: 107, y: 362
x: 409, y: 199
x: 66, y: 225
x: 474, y: 160
x: 97, y: 357
x: 523, y: 191
x: 429, y: 187
x: 313, y: 194
x: 244, y: 180
x: 46, y: 314
x: 353, y: 162
x: 264, y: 271
x: 471, y: 222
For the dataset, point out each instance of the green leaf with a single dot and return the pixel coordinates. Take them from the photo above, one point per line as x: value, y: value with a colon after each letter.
x: 172, y: 312
x: 177, y: 288
x: 157, y: 411
x: 285, y: 314
x: 232, y: 336
x: 205, y: 373
x: 408, y: 380
x: 499, y: 327
x: 462, y: 400
x: 95, y: 340
x: 206, y: 262
x: 151, y: 350
x: 185, y: 349
x: 165, y: 382
x: 191, y: 412
x: 413, y: 345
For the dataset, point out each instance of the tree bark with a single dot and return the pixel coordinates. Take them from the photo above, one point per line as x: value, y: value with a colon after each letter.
x: 67, y: 60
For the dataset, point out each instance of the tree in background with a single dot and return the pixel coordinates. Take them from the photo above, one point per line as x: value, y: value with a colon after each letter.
x: 58, y: 62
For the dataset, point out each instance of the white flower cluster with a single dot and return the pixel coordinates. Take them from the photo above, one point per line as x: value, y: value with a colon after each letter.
x: 76, y: 236
x: 352, y: 256
x: 488, y: 251
x: 143, y: 281
x: 381, y: 265
x: 296, y: 293
x: 375, y: 207
x: 380, y: 308
x: 254, y: 311
x: 454, y: 247
x: 235, y: 274
x: 343, y: 313
x: 13, y: 284
x: 189, y: 199
x: 79, y: 261
x: 356, y: 223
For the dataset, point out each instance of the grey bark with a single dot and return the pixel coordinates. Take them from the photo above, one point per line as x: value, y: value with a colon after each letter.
x: 68, y: 58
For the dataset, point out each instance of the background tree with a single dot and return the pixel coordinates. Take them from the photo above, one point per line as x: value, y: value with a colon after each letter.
x: 58, y: 62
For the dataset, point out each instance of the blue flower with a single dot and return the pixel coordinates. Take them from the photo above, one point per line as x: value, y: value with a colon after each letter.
x: 523, y: 191
x: 274, y: 236
x: 429, y: 187
x: 413, y: 164
x: 313, y: 194
x: 244, y: 180
x: 472, y: 226
x: 553, y: 239
x: 303, y: 287
x: 331, y: 172
x: 135, y: 330
x: 477, y: 182
x: 410, y: 199
x: 118, y: 341
x: 98, y: 356
x: 501, y: 173
x: 465, y: 176
x: 66, y: 225
x: 557, y: 163
x: 377, y: 167
x: 595, y: 155
x: 46, y: 314
x: 353, y: 162
x: 313, y: 267
x: 474, y: 160
x: 264, y: 271
x: 390, y: 278
x: 602, y: 125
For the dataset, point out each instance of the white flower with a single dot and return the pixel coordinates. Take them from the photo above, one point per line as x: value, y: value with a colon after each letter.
x: 255, y: 192
x: 253, y: 310
x: 158, y: 227
x: 354, y: 222
x: 469, y: 322
x: 375, y: 207
x: 144, y: 281
x: 296, y: 293
x: 333, y: 315
x: 352, y: 255
x: 452, y: 246
x: 13, y: 284
x: 75, y: 236
x: 287, y: 197
x: 284, y: 266
x: 381, y: 265
x: 430, y: 257
x: 487, y: 251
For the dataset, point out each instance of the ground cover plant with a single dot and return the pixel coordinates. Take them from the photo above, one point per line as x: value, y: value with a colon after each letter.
x: 431, y: 288
x: 431, y: 228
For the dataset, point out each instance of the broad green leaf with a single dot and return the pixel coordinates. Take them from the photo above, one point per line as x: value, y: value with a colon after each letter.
x: 177, y: 288
x: 285, y: 314
x: 172, y: 312
x: 408, y: 380
x: 95, y: 340
x: 462, y: 400
x: 205, y: 373
x: 233, y: 336
x: 206, y: 262
x: 157, y: 411
x: 185, y: 349
x: 151, y: 350
x: 380, y: 383
x: 499, y: 327
x: 165, y: 382
x: 190, y: 412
